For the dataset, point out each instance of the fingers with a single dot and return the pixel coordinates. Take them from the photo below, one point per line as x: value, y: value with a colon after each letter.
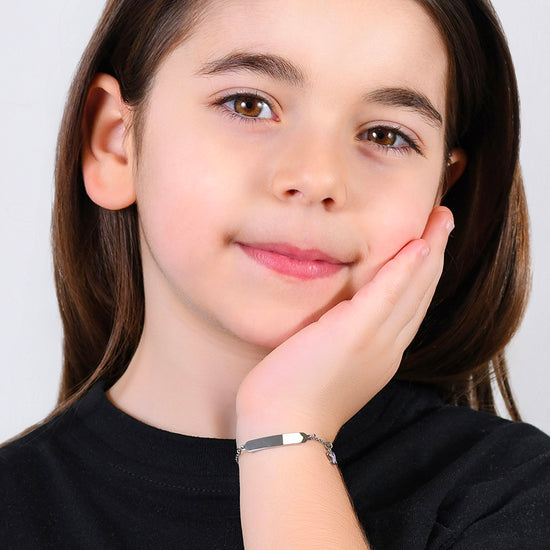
x: 439, y: 225
x: 401, y: 291
x: 424, y: 281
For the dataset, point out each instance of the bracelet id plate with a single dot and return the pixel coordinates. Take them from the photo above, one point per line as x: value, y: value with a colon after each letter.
x: 274, y: 441
x: 279, y: 440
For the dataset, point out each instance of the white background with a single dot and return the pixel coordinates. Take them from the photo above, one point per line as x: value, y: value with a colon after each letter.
x: 40, y: 44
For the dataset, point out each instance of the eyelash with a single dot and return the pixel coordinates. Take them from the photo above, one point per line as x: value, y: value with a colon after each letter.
x: 412, y: 144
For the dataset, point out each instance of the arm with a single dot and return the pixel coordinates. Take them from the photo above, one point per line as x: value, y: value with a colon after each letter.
x: 291, y: 496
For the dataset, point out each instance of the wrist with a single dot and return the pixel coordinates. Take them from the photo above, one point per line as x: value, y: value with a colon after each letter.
x: 262, y: 413
x: 282, y: 440
x: 270, y: 421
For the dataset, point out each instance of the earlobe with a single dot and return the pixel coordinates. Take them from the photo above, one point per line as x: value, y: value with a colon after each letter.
x: 107, y: 164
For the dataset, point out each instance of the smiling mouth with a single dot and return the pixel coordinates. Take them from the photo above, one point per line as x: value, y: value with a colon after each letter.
x: 292, y: 261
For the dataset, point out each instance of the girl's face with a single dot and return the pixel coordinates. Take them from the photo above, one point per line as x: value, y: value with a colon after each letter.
x: 290, y: 149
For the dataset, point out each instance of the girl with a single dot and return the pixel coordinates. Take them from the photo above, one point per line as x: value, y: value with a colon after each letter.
x: 247, y: 258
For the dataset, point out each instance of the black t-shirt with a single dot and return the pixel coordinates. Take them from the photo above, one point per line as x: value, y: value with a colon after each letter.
x: 421, y: 475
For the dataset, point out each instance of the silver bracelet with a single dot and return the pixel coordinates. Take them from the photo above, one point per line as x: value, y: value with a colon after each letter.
x: 284, y: 439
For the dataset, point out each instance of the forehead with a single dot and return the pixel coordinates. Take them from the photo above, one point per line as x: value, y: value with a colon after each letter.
x: 366, y: 43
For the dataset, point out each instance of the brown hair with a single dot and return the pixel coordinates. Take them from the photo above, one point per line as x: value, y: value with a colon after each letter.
x: 481, y: 296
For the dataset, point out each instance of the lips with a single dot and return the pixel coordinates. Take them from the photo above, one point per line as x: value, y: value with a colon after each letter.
x: 292, y: 261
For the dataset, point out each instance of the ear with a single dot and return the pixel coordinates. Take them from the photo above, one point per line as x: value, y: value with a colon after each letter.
x: 107, y: 163
x: 456, y: 164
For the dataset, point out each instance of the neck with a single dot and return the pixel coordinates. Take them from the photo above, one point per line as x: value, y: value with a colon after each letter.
x: 184, y: 377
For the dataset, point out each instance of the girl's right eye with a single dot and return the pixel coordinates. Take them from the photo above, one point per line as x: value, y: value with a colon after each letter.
x: 247, y: 107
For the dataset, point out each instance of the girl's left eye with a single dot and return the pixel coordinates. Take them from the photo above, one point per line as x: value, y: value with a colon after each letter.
x: 390, y: 139
x: 248, y: 106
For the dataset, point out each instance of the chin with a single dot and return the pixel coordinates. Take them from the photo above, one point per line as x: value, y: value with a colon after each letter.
x: 270, y: 333
x: 270, y: 340
x: 268, y: 325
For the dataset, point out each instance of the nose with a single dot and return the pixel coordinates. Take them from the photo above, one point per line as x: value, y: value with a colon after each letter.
x: 310, y: 172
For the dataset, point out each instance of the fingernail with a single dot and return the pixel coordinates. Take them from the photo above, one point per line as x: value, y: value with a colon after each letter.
x: 425, y: 251
x: 450, y: 225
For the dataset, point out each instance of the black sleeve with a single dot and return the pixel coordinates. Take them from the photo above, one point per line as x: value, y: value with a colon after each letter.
x: 508, y: 512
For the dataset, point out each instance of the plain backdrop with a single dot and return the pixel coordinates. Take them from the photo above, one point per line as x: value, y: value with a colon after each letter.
x: 40, y: 44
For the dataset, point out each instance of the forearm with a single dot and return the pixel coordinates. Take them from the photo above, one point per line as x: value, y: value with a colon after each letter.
x: 293, y: 497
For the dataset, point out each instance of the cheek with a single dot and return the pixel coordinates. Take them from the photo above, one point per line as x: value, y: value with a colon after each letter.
x: 187, y: 199
x: 400, y: 227
x: 170, y: 204
x: 395, y: 230
x: 399, y: 211
x: 179, y: 182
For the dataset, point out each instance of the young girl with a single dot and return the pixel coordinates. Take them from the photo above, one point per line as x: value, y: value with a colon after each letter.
x: 264, y: 346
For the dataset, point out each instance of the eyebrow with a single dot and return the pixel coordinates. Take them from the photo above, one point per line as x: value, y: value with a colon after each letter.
x: 409, y: 99
x: 274, y: 66
x: 282, y: 69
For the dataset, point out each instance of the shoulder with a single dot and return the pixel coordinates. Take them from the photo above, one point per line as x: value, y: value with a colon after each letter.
x: 458, y: 444
x: 488, y: 448
x: 487, y: 436
x: 453, y: 476
x: 23, y: 454
x: 50, y: 438
x: 498, y: 481
x: 36, y: 473
x: 417, y: 422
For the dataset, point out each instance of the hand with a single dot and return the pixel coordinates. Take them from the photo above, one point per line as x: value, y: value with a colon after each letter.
x: 321, y: 376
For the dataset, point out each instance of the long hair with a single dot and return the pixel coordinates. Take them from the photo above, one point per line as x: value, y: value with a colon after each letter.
x: 480, y: 300
x: 482, y: 294
x: 97, y: 261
